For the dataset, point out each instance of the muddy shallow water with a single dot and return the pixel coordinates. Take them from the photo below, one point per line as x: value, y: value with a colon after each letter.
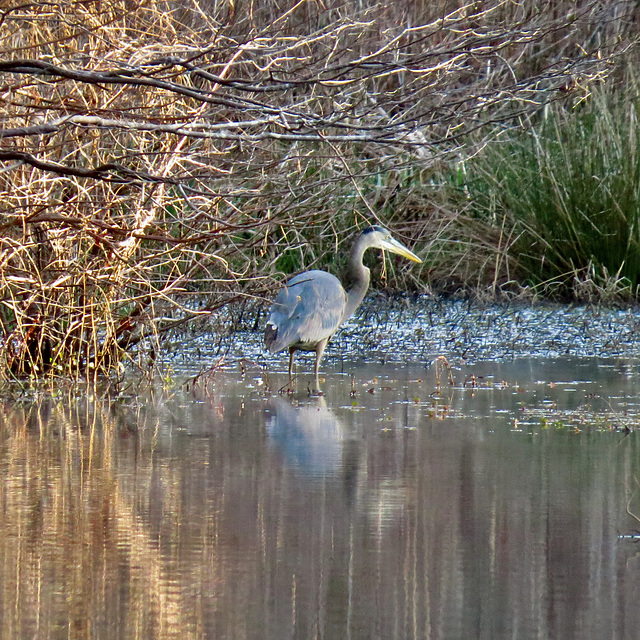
x: 394, y: 505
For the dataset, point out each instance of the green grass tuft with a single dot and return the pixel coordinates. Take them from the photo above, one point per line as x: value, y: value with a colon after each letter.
x: 570, y: 187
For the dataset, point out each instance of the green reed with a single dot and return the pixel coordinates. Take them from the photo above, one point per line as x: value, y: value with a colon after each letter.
x: 569, y: 185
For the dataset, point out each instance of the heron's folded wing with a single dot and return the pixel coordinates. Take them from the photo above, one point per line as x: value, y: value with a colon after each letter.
x: 308, y: 309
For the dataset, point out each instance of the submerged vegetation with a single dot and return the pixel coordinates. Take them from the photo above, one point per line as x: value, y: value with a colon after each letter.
x: 162, y: 160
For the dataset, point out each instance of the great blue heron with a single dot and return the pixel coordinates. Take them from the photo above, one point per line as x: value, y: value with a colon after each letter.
x: 312, y: 305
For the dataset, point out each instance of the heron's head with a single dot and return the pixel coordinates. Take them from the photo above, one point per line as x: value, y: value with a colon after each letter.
x: 381, y: 238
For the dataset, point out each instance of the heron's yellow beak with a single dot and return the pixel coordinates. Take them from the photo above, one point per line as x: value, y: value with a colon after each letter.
x: 391, y: 244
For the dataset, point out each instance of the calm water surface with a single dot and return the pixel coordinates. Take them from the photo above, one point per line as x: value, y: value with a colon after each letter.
x: 387, y: 508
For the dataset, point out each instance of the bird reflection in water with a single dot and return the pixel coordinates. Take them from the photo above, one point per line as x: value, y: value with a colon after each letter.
x: 309, y: 436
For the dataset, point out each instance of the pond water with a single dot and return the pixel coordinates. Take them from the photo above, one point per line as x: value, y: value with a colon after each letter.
x: 394, y: 505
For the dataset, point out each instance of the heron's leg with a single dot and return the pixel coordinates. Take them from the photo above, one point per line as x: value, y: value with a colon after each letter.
x: 291, y: 352
x: 321, y: 346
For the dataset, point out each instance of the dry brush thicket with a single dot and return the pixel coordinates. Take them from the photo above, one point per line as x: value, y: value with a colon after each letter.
x: 162, y: 159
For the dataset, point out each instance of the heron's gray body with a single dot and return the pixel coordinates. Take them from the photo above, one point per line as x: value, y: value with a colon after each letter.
x: 310, y: 308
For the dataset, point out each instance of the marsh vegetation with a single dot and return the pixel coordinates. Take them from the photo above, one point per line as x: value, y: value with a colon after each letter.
x: 163, y: 160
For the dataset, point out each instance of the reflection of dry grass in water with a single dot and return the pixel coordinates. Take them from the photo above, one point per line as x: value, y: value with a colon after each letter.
x: 76, y: 554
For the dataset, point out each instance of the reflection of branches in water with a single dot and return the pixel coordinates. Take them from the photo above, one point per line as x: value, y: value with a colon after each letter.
x: 633, y: 536
x: 631, y: 497
x: 76, y: 516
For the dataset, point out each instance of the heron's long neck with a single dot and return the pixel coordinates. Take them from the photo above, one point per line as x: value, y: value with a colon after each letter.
x: 356, y: 280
